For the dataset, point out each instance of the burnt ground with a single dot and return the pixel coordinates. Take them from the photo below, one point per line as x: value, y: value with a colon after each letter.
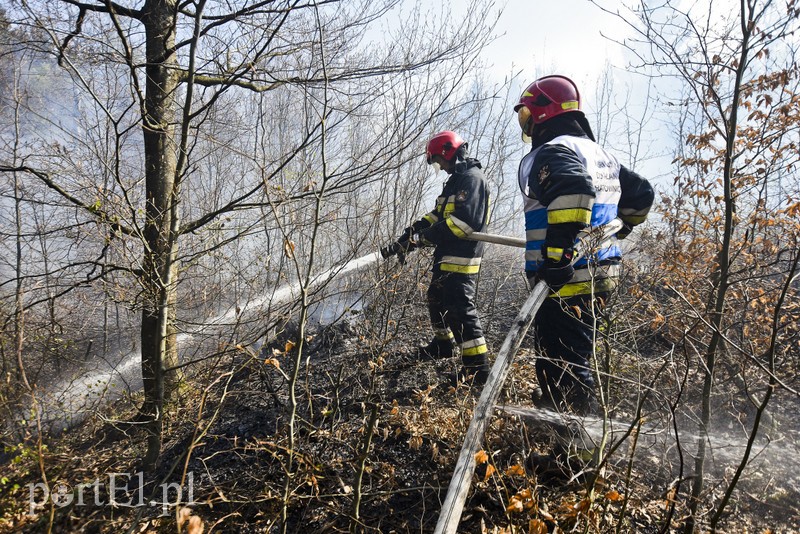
x: 375, y: 441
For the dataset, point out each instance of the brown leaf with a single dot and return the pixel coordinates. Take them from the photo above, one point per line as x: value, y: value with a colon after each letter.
x: 481, y: 457
x: 195, y: 525
x: 183, y: 515
x: 515, y: 470
x: 288, y: 248
x: 514, y: 506
x: 525, y: 494
x: 583, y: 505
x: 614, y: 496
x: 537, y: 526
x: 489, y: 472
x: 289, y: 346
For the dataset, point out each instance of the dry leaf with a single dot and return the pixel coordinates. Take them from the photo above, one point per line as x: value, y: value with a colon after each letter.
x: 514, y: 506
x: 614, y: 496
x: 489, y: 472
x: 481, y: 457
x: 516, y: 470
x: 670, y: 497
x: 289, y: 346
x: 288, y: 248
x: 273, y: 362
x: 195, y: 525
x: 415, y: 442
x: 183, y: 515
x: 583, y: 505
x: 537, y: 526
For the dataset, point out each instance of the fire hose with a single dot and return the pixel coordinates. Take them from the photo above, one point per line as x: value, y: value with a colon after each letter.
x: 457, y: 491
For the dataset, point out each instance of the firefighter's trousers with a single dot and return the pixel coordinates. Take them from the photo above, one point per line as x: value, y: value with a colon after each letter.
x: 451, y: 304
x: 564, y: 334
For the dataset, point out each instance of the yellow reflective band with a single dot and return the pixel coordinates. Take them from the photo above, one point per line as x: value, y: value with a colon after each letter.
x: 632, y: 212
x: 449, y: 208
x: 458, y: 232
x: 444, y: 337
x: 578, y: 215
x: 586, y: 288
x: 431, y: 218
x: 475, y: 351
x: 632, y: 219
x: 456, y: 260
x: 454, y: 222
x: 555, y: 253
x: 463, y: 269
x: 473, y: 342
x: 572, y: 104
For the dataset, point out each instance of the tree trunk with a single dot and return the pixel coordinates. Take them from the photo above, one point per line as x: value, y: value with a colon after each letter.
x: 720, y: 278
x: 159, y: 279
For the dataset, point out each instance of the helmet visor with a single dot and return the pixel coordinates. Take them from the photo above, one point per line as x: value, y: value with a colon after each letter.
x: 525, y: 122
x: 524, y: 118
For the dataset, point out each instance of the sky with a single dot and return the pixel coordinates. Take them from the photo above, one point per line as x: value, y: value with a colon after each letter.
x: 577, y: 39
x: 542, y: 37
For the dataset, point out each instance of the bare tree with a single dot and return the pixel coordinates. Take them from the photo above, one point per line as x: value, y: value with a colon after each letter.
x: 722, y: 247
x: 168, y: 69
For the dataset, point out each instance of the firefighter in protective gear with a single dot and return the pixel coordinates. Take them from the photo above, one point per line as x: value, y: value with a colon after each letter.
x: 570, y: 183
x: 462, y: 208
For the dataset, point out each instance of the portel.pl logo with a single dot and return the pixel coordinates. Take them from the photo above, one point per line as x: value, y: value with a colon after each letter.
x: 123, y: 490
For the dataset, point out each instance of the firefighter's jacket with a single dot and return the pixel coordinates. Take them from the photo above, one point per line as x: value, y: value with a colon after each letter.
x: 461, y: 209
x: 568, y: 184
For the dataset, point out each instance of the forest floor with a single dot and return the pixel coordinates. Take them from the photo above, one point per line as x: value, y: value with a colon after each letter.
x: 374, y: 443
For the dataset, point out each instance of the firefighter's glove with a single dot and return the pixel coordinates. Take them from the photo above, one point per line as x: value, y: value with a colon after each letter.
x: 625, y: 230
x: 399, y: 248
x: 406, y: 235
x: 391, y: 249
x: 557, y: 269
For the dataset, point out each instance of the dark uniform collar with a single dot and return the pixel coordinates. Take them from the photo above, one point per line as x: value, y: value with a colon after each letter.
x: 463, y: 165
x: 574, y: 124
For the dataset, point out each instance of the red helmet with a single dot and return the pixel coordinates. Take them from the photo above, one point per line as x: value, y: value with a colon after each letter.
x: 546, y: 98
x: 443, y: 144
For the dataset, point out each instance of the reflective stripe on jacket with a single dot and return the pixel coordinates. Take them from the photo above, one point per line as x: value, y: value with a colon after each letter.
x: 568, y: 184
x: 461, y: 209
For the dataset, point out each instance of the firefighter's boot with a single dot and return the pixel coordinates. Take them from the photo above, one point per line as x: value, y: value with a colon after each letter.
x: 474, y: 371
x: 437, y: 349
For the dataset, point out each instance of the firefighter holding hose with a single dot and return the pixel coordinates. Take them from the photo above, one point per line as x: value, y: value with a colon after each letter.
x: 461, y: 209
x: 570, y: 183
